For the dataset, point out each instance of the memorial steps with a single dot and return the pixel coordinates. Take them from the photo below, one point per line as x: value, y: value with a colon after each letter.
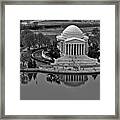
x: 78, y: 60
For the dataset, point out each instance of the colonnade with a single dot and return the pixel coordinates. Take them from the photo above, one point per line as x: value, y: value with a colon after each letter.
x: 74, y: 49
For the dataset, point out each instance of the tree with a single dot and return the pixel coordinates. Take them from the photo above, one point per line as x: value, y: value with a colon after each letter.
x: 47, y: 41
x: 53, y: 52
x: 25, y: 56
x: 42, y: 40
x: 28, y: 38
x: 96, y: 31
x: 94, y: 44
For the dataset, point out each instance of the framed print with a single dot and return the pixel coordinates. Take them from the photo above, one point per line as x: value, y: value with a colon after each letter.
x: 60, y: 59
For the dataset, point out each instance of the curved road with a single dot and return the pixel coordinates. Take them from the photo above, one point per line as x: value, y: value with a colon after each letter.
x: 49, y: 70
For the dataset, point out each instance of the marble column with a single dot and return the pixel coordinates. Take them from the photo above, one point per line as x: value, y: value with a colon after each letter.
x: 76, y: 49
x: 69, y: 78
x: 78, y: 78
x: 80, y: 49
x: 65, y: 77
x: 69, y: 49
x: 84, y: 50
x: 65, y: 49
x: 82, y: 77
x: 74, y: 77
x: 73, y: 49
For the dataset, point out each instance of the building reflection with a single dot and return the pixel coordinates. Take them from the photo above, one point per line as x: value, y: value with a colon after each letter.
x: 69, y: 79
x: 72, y: 80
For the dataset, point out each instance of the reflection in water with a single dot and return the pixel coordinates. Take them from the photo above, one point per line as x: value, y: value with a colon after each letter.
x: 74, y: 80
x: 66, y: 79
x: 27, y: 77
x: 94, y: 76
x: 53, y: 78
x: 24, y: 78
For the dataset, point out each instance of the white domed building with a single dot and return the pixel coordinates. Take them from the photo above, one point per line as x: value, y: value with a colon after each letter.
x: 73, y: 42
x: 73, y: 45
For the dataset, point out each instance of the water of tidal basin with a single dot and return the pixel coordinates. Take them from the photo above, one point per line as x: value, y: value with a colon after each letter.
x: 44, y: 90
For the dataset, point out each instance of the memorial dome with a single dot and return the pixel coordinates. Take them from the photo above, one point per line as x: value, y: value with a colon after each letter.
x: 72, y: 31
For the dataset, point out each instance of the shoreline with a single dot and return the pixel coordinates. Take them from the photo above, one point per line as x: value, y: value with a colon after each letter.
x: 83, y: 72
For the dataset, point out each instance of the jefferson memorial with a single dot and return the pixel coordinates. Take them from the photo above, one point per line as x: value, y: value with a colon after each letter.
x: 73, y: 46
x: 73, y: 42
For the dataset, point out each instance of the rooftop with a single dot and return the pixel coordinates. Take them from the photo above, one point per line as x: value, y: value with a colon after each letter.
x: 72, y: 31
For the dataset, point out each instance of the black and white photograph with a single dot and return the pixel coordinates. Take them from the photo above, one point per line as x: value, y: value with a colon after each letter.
x: 59, y: 59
